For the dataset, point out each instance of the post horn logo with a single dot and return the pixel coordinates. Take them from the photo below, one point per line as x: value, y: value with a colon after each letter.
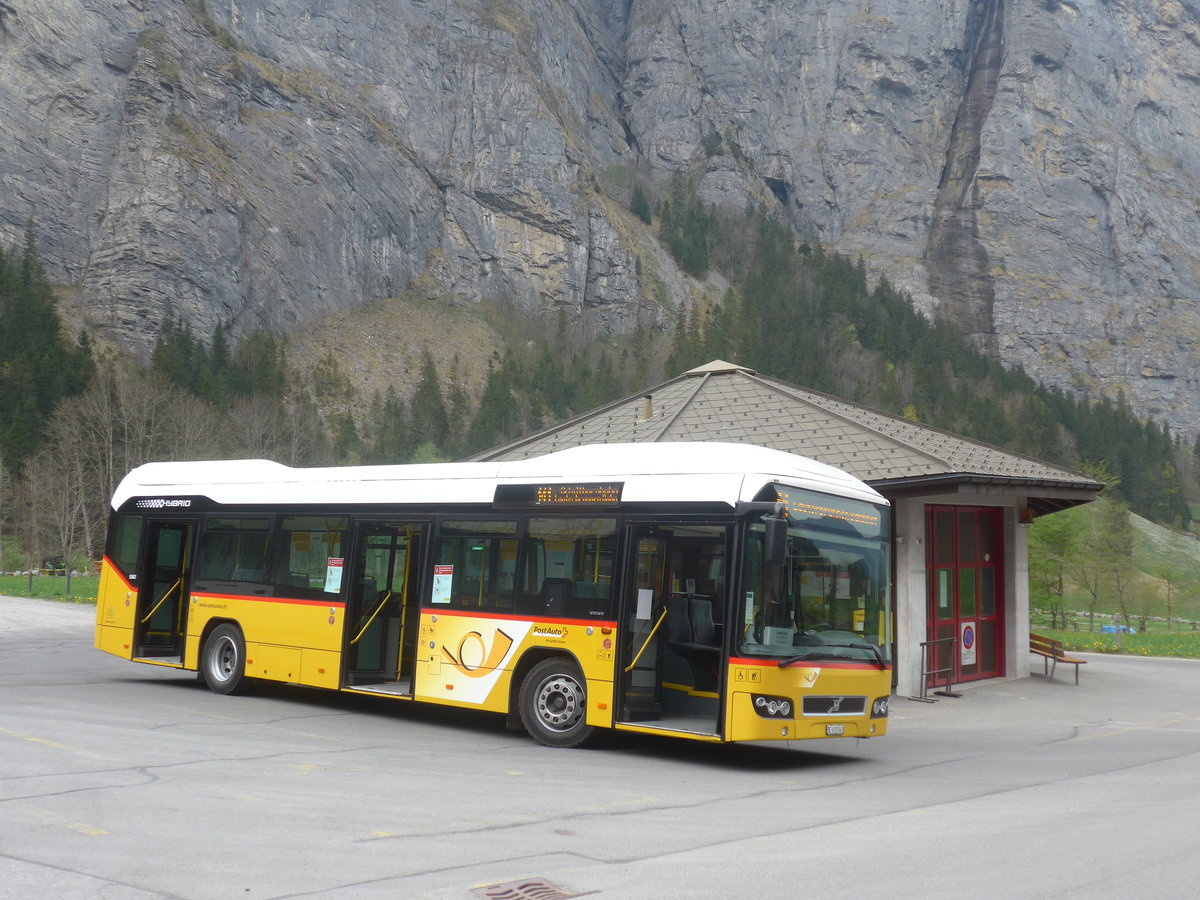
x: 475, y: 659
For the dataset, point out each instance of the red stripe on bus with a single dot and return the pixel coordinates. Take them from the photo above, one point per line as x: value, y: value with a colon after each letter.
x: 298, y: 601
x: 514, y: 617
x: 810, y: 664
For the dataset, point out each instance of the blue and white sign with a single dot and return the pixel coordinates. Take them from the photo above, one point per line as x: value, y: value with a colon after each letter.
x: 966, y: 643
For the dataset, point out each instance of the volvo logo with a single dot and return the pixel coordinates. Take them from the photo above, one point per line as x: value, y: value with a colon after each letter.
x: 836, y: 704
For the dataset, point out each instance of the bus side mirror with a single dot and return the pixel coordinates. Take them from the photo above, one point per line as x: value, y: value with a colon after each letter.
x: 775, y: 545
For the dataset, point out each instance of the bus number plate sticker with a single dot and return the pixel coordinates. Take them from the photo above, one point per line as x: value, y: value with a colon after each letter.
x: 835, y: 730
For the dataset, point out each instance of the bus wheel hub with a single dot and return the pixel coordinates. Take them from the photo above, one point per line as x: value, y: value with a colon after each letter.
x: 558, y: 702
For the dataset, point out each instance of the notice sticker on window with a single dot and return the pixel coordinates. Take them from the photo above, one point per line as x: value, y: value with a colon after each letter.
x: 443, y: 583
x: 778, y: 638
x: 333, y: 575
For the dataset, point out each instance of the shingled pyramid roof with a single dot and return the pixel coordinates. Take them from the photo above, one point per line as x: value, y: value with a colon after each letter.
x: 723, y: 401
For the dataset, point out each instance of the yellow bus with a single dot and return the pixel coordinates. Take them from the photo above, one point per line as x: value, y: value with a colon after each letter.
x: 716, y: 592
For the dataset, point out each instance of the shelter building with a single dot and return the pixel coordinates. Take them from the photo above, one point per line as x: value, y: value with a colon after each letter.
x: 960, y: 507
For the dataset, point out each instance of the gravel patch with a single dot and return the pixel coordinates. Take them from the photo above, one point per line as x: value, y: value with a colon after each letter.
x: 20, y: 613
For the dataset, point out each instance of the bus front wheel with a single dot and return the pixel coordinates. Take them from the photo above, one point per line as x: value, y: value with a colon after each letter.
x: 553, y: 704
x: 224, y: 661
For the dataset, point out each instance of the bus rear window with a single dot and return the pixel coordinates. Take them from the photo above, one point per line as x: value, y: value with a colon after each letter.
x: 124, y: 541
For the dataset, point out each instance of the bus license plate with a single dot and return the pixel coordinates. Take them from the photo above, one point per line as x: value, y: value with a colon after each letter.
x: 835, y: 730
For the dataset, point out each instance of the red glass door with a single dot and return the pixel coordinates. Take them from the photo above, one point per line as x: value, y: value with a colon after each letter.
x: 964, y: 572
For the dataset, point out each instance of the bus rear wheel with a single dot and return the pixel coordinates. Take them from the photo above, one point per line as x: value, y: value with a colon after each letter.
x: 553, y: 704
x: 223, y: 661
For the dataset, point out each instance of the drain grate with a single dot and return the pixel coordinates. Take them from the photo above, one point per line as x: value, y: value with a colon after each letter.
x: 526, y: 889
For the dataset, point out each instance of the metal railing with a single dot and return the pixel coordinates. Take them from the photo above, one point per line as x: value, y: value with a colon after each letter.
x: 927, y: 658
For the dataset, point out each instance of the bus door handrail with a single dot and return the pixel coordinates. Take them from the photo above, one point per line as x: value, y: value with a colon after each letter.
x: 387, y: 595
x: 649, y: 638
x: 409, y: 531
x: 167, y: 593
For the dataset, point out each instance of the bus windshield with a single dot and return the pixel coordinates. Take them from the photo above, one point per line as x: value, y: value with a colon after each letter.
x: 828, y: 601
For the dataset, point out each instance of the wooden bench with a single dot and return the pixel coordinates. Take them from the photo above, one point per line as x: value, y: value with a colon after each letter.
x: 1052, y: 652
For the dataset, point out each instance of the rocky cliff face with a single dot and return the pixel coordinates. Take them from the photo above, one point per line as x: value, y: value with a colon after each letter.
x: 1026, y: 169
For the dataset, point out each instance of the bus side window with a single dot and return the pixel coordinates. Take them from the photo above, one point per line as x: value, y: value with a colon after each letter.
x: 568, y: 568
x: 308, y: 559
x: 482, y: 561
x: 234, y: 549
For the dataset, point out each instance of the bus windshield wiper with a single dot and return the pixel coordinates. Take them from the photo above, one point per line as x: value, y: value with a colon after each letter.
x: 874, y: 650
x: 816, y: 653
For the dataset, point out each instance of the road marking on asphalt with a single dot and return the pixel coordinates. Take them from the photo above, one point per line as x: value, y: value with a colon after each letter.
x: 191, y: 710
x: 89, y: 830
x: 1135, y: 729
x: 45, y: 742
x: 86, y: 829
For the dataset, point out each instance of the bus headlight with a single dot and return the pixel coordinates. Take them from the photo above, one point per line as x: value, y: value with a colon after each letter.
x: 772, y: 707
x: 879, y: 707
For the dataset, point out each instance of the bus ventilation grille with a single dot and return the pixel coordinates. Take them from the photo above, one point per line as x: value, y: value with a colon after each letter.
x: 528, y: 889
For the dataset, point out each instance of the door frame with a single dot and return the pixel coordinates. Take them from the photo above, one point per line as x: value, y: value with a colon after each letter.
x: 149, y: 601
x: 409, y: 606
x: 703, y: 710
x: 966, y: 580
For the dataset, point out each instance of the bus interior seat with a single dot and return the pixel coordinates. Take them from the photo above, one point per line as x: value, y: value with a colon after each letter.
x: 679, y: 627
x: 675, y: 669
x: 702, y: 658
x: 556, y: 595
x: 591, y: 600
x: 704, y: 629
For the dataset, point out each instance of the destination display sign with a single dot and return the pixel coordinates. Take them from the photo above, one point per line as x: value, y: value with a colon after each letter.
x: 802, y: 505
x: 560, y: 493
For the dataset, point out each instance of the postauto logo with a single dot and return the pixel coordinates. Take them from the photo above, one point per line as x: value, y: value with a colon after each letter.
x: 474, y: 658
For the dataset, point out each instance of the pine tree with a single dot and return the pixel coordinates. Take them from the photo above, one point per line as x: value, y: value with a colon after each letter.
x: 639, y: 204
x: 496, y: 419
x: 391, y: 435
x: 459, y: 413
x: 178, y: 356
x: 429, y: 420
x: 259, y: 366
x: 38, y: 365
x: 214, y: 382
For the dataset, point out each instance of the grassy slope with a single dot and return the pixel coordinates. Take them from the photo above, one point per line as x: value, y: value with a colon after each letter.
x: 50, y: 587
x: 1157, y: 552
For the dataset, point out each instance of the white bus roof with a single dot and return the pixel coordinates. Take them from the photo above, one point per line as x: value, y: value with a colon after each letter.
x: 666, y: 472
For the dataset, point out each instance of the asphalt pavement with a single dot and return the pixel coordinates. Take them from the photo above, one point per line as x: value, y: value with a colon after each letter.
x: 125, y: 781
